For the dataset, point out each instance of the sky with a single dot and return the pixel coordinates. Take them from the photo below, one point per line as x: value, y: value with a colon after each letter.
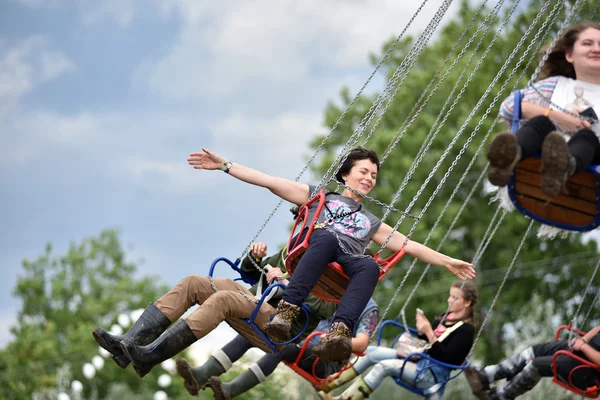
x: 102, y: 101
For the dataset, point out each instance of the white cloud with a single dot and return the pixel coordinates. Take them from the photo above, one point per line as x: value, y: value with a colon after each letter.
x: 122, y: 11
x: 227, y: 46
x: 92, y: 11
x: 274, y: 144
x: 27, y: 64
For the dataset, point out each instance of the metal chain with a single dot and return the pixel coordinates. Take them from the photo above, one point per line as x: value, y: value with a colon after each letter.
x: 574, y: 320
x: 503, y: 68
x: 422, y: 103
x: 334, y: 127
x: 244, y: 295
x: 516, y: 255
x: 587, y: 315
x: 448, y: 232
x: 445, y: 118
x: 412, y: 59
x: 334, y: 167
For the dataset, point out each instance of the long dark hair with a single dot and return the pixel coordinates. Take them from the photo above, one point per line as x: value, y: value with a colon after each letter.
x: 355, y: 155
x: 469, y: 293
x: 557, y: 64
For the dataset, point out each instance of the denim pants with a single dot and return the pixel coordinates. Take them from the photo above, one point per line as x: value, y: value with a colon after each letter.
x: 387, y: 363
x: 323, y: 249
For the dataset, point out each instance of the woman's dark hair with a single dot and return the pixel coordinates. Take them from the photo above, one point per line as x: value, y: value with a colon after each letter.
x: 557, y: 64
x: 355, y: 155
x: 469, y: 293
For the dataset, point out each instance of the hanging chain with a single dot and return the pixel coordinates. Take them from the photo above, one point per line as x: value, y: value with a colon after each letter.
x: 516, y: 255
x: 406, y: 125
x: 334, y: 127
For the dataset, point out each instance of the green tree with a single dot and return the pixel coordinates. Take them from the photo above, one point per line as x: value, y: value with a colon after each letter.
x: 64, y: 297
x: 561, y: 280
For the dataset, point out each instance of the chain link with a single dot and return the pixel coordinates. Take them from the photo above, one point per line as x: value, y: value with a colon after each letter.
x: 503, y: 68
x: 512, y: 264
x: 412, y: 58
x: 589, y: 285
x: 334, y: 167
x: 338, y: 121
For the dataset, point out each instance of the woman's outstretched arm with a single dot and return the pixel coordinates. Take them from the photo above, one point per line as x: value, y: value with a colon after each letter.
x: 462, y: 269
x: 291, y: 191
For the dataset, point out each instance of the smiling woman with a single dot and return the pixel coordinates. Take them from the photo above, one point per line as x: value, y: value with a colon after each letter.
x: 344, y: 236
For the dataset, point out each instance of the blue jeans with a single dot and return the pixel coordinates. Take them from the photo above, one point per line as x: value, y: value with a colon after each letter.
x: 324, y: 248
x: 387, y: 363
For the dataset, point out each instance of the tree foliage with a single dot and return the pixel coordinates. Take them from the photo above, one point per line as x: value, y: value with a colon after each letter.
x: 558, y: 279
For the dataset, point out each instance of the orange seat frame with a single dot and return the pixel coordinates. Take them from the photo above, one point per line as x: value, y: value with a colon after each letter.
x: 591, y: 392
x: 333, y: 282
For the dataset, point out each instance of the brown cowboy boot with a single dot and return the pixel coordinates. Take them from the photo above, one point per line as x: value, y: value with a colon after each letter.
x: 503, y: 154
x: 279, y: 328
x: 556, y: 164
x: 336, y: 345
x: 478, y: 381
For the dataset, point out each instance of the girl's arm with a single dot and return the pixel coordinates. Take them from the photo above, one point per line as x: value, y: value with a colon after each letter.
x: 462, y: 269
x: 291, y: 191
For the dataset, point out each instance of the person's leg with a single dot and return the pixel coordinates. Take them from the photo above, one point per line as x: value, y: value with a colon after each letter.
x: 374, y: 354
x: 218, y: 363
x: 321, y: 251
x: 254, y: 375
x: 521, y: 383
x: 158, y: 316
x: 507, y: 149
x: 363, y: 274
x: 362, y: 388
x: 145, y: 329
x: 219, y: 306
x: 584, y: 146
x: 512, y: 367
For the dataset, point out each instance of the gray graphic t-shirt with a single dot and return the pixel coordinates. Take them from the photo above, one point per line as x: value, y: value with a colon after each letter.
x: 355, y: 230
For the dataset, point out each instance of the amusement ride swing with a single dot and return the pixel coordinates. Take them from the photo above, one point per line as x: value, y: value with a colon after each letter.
x: 332, y: 283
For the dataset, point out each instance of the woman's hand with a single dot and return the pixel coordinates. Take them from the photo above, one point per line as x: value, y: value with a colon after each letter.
x: 205, y: 160
x: 576, y: 343
x: 275, y: 273
x: 423, y: 325
x: 567, y: 122
x: 462, y: 269
x: 258, y: 250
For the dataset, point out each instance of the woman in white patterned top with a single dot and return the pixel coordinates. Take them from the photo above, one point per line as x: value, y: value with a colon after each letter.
x: 570, y: 81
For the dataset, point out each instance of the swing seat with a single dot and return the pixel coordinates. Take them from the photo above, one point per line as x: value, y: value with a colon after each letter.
x: 454, y: 370
x: 586, y: 367
x: 577, y: 208
x: 247, y: 327
x: 312, y: 376
x: 333, y: 282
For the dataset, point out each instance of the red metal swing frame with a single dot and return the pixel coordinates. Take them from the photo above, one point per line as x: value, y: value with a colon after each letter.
x: 312, y: 376
x: 592, y: 392
x: 333, y: 282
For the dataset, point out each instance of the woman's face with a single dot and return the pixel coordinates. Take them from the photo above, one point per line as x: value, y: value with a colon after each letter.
x: 362, y: 177
x: 460, y: 305
x: 585, y: 56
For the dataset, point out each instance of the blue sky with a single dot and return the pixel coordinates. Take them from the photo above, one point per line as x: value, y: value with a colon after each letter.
x: 102, y: 101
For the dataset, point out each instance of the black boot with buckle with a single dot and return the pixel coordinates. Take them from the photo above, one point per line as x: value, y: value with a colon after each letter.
x: 148, y: 327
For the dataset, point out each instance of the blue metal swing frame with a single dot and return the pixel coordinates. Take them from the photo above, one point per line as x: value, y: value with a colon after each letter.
x: 438, y: 387
x: 269, y: 344
x: 514, y: 196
